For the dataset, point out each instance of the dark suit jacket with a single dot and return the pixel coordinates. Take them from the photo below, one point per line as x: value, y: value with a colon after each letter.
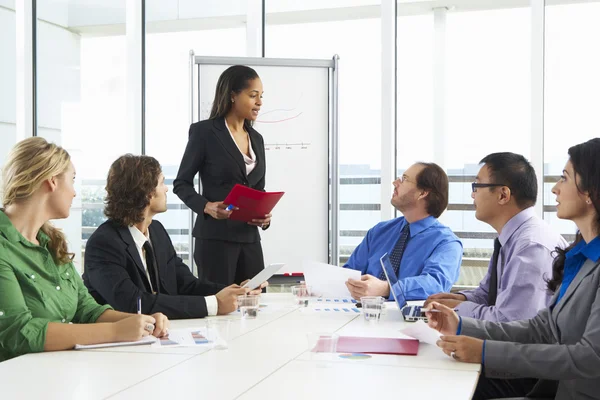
x: 213, y: 154
x: 114, y: 274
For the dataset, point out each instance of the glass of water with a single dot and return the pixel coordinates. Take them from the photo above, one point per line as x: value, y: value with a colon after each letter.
x: 371, y: 307
x: 302, y: 294
x: 248, y: 305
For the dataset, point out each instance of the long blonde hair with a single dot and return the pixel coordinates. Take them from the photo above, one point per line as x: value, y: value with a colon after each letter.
x: 29, y: 164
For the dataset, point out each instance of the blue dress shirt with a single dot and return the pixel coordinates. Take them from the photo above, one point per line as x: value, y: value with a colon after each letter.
x: 574, y: 260
x: 431, y: 260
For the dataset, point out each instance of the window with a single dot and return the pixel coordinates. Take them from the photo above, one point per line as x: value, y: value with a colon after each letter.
x: 487, y: 104
x: 81, y: 105
x: 358, y: 44
x: 168, y: 101
x: 572, y: 88
x: 8, y: 79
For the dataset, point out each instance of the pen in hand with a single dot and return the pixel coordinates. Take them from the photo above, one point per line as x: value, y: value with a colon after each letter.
x: 229, y: 207
x: 139, y: 305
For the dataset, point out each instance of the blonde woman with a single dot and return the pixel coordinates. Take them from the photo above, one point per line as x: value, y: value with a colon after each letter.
x: 44, y: 305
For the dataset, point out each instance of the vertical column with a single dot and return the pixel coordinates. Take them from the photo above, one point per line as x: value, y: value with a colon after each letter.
x: 26, y: 103
x: 439, y: 86
x: 134, y: 28
x: 538, y: 23
x: 388, y: 105
x: 255, y: 28
x: 335, y: 163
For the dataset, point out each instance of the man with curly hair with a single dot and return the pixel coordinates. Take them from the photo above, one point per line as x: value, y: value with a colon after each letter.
x: 131, y: 257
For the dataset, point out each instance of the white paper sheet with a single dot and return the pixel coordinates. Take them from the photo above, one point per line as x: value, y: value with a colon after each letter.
x: 420, y: 330
x: 189, y: 337
x: 328, y: 280
x: 147, y: 340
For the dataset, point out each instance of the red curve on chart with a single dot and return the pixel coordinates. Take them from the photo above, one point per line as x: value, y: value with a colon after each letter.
x: 280, y: 120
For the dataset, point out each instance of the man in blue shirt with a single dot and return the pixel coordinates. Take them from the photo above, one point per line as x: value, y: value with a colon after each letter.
x: 425, y: 254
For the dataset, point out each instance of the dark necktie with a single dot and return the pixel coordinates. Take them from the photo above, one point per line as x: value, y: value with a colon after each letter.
x: 398, y: 251
x: 151, y: 267
x: 493, y: 288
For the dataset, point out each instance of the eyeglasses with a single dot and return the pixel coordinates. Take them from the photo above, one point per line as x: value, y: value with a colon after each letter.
x: 405, y: 178
x: 476, y: 185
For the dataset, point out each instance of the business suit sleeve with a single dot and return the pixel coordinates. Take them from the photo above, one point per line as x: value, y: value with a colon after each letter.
x: 535, y: 353
x: 439, y: 272
x: 191, y: 163
x: 535, y: 330
x: 187, y: 283
x: 105, y: 262
x: 261, y: 183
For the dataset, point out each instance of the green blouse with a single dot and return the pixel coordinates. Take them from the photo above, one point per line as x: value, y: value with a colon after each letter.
x: 35, y: 291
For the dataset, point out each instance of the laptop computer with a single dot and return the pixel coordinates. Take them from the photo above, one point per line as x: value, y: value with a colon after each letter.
x: 409, y: 313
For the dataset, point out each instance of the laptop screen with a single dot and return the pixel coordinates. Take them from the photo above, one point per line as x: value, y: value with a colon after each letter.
x: 390, y: 275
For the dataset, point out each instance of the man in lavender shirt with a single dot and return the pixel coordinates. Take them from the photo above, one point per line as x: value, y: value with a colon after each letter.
x: 514, y: 287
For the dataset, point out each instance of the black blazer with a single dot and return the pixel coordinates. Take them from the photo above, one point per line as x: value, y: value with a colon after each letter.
x: 114, y: 274
x: 213, y: 154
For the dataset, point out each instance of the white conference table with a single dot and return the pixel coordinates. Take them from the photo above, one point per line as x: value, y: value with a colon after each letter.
x: 267, y: 358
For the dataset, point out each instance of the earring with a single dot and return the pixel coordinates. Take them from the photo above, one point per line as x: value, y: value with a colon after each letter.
x: 588, y: 201
x: 233, y: 100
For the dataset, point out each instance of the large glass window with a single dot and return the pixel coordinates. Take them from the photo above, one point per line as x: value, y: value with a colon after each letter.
x: 488, y: 104
x: 81, y: 102
x: 572, y: 92
x: 168, y: 44
x: 358, y: 44
x: 484, y: 87
x: 8, y: 79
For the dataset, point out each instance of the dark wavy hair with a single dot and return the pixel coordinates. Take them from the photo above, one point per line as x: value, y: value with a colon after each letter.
x: 433, y: 178
x: 233, y: 80
x: 131, y: 182
x: 585, y: 158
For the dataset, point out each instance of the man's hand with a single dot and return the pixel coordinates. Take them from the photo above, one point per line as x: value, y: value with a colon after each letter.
x: 367, y: 286
x: 448, y: 299
x: 227, y: 299
x: 161, y: 327
x: 462, y: 348
x: 259, y: 289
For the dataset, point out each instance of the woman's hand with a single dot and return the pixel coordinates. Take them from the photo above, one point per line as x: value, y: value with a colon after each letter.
x: 217, y: 210
x: 133, y: 328
x: 263, y: 223
x: 445, y: 321
x: 462, y: 348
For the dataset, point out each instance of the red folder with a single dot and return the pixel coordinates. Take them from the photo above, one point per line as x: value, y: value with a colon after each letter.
x: 251, y: 203
x: 374, y: 345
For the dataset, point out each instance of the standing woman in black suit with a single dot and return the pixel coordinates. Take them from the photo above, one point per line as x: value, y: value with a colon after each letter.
x: 225, y: 150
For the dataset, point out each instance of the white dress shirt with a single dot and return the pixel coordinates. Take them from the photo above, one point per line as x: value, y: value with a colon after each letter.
x: 249, y: 161
x: 139, y: 238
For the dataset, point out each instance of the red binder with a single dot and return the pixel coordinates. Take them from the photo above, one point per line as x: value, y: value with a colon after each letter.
x: 252, y: 204
x: 374, y: 345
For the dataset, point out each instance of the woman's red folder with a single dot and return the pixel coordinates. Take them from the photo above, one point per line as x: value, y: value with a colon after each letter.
x: 373, y: 345
x: 251, y: 203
